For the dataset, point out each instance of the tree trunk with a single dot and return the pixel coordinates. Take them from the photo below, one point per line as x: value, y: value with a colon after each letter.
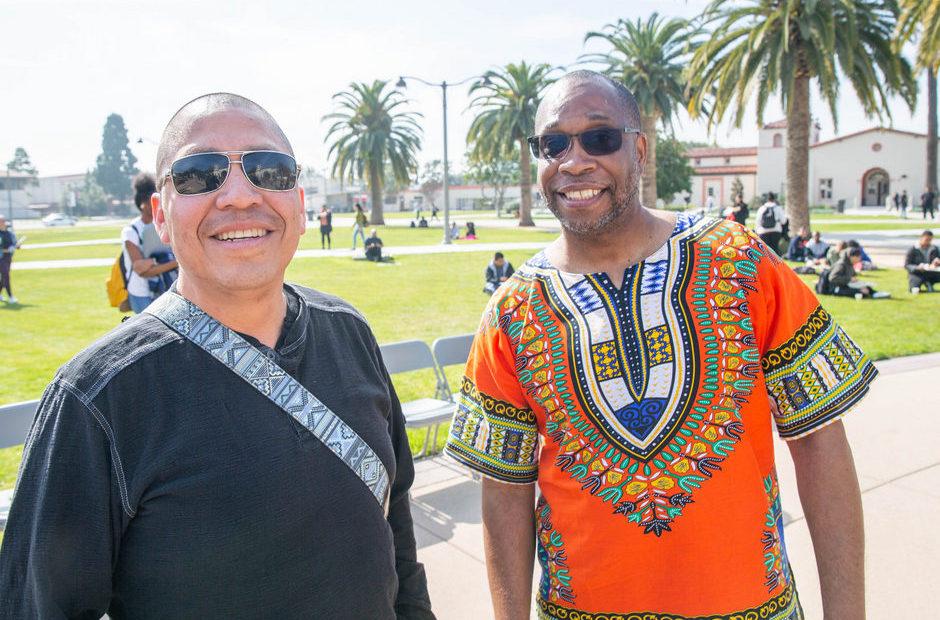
x: 525, y: 185
x: 648, y: 180
x: 375, y: 191
x: 798, y: 120
x: 931, y: 178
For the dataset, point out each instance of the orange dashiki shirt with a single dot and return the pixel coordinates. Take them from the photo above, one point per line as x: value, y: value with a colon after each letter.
x: 646, y: 414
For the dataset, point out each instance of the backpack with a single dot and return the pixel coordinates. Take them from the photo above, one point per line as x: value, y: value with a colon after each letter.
x: 823, y: 287
x: 116, y: 284
x: 768, y: 218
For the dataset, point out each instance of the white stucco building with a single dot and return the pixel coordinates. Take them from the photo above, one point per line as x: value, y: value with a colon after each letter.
x: 862, y: 169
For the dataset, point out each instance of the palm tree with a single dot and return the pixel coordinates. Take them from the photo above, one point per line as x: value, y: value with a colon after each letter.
x: 649, y: 59
x: 921, y: 19
x: 370, y: 134
x: 760, y: 47
x: 507, y: 99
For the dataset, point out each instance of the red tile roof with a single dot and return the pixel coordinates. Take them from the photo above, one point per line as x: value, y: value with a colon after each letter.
x: 707, y: 171
x: 711, y: 151
x: 781, y: 124
x: 864, y: 131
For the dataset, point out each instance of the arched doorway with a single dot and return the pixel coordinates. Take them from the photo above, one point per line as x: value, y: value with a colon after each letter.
x: 876, y: 186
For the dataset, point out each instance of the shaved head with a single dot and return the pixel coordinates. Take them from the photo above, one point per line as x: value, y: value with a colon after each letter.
x: 624, y: 99
x: 178, y: 129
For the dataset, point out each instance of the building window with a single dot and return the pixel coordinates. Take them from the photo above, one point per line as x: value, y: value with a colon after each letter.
x: 778, y: 140
x: 698, y: 161
x: 825, y: 189
x: 876, y: 146
x: 727, y: 160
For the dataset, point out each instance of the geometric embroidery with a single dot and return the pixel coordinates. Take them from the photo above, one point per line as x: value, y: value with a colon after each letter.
x: 784, y: 606
x: 659, y: 345
x: 585, y: 297
x: 815, y: 376
x: 645, y: 442
x: 654, y: 277
x: 604, y: 356
x: 229, y: 348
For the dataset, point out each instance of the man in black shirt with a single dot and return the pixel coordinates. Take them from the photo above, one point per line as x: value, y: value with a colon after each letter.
x: 245, y: 457
x: 374, y: 247
x: 8, y: 245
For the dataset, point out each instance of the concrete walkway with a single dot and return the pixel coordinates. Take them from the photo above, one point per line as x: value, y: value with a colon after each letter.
x: 894, y: 435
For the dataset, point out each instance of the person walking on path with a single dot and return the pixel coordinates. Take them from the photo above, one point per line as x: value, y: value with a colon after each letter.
x: 8, y: 245
x: 928, y: 202
x: 359, y: 226
x: 236, y: 451
x: 896, y: 201
x: 326, y: 227
x: 771, y: 219
x: 600, y: 371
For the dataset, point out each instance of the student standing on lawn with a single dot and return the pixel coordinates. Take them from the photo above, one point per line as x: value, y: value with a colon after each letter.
x: 237, y: 451
x: 8, y: 245
x: 636, y: 369
x: 359, y: 226
x: 326, y: 227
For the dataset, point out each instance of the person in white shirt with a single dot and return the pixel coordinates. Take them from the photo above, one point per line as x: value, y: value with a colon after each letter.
x: 769, y: 222
x: 136, y: 237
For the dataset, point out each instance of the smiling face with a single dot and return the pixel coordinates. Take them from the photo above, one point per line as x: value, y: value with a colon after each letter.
x: 589, y: 193
x: 239, y: 237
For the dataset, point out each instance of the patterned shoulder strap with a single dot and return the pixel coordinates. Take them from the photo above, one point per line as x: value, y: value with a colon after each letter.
x: 246, y: 361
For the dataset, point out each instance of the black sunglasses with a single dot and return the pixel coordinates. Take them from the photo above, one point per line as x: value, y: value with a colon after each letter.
x: 596, y: 142
x: 203, y: 173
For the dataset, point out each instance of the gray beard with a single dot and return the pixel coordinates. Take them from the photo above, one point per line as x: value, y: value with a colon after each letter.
x: 619, y: 203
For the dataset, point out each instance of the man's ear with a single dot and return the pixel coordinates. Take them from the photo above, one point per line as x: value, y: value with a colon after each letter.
x: 159, y: 217
x: 303, y: 211
x: 642, y: 149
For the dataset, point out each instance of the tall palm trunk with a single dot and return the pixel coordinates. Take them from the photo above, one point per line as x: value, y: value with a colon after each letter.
x: 798, y: 154
x: 648, y: 180
x: 931, y: 178
x: 525, y: 185
x: 375, y: 191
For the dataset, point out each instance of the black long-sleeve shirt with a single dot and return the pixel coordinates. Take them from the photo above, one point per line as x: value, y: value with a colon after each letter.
x: 158, y: 484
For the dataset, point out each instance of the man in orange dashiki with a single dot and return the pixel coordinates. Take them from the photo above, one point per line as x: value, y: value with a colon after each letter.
x: 635, y: 370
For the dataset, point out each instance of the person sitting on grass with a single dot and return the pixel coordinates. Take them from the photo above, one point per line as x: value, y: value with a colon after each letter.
x: 497, y: 272
x: 471, y: 231
x: 374, y: 247
x: 797, y: 248
x: 867, y: 264
x: 817, y: 250
x: 844, y: 281
x: 923, y: 263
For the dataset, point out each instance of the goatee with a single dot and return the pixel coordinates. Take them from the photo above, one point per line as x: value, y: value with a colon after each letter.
x: 619, y: 202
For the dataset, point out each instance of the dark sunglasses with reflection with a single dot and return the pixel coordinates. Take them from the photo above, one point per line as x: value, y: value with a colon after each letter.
x: 203, y: 173
x: 595, y: 142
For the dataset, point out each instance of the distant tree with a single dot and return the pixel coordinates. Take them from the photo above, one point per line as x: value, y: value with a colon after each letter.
x: 370, y: 134
x: 920, y: 21
x: 759, y: 48
x: 497, y: 174
x: 91, y: 198
x: 737, y: 188
x: 116, y: 164
x: 673, y: 171
x: 21, y: 163
x: 431, y: 181
x: 507, y: 99
x: 649, y: 58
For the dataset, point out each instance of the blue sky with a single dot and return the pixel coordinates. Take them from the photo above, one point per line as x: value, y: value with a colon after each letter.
x: 66, y: 65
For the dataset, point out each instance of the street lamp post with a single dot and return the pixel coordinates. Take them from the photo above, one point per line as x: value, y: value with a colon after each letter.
x: 443, y: 86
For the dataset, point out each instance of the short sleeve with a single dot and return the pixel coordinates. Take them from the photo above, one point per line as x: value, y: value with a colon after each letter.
x: 494, y: 432
x: 814, y: 372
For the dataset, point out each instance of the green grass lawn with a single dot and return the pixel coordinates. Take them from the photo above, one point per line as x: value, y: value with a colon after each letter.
x: 342, y: 239
x: 422, y: 297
